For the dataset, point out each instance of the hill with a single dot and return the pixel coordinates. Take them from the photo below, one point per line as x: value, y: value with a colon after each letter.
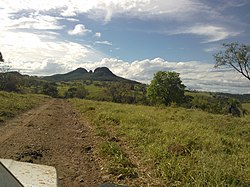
x: 99, y: 74
x: 241, y: 97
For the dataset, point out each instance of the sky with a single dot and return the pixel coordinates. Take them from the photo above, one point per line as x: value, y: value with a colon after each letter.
x: 134, y: 38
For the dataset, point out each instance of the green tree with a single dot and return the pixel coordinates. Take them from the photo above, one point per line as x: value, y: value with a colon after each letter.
x: 8, y: 82
x: 235, y: 56
x: 121, y: 92
x: 165, y: 88
x: 4, y: 66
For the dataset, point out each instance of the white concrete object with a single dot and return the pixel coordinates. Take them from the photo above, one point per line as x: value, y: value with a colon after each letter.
x: 22, y: 174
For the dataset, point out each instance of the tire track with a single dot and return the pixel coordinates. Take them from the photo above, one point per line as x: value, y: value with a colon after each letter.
x: 13, y: 126
x: 53, y: 135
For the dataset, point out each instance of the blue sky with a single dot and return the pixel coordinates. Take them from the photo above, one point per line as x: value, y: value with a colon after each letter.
x: 134, y: 38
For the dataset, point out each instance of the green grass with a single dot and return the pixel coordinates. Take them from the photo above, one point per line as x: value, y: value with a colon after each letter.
x: 12, y: 104
x: 246, y: 106
x: 96, y: 93
x: 182, y: 147
x: 62, y: 89
x: 198, y: 94
x: 119, y: 162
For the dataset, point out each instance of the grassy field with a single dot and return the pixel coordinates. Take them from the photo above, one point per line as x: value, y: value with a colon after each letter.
x: 150, y: 146
x: 12, y: 104
x: 246, y: 106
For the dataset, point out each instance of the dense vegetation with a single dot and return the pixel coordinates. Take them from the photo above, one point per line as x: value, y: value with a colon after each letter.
x: 180, y: 147
x: 215, y: 103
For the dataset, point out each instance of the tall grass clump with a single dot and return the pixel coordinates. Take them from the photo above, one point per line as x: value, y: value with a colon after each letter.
x: 119, y: 162
x: 183, y: 147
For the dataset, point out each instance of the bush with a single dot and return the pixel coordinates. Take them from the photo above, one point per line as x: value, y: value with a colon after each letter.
x: 10, y: 82
x: 217, y: 105
x: 76, y: 92
x: 50, y: 89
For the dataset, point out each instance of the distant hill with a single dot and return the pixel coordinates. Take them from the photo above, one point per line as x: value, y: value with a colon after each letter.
x: 240, y: 97
x: 99, y: 74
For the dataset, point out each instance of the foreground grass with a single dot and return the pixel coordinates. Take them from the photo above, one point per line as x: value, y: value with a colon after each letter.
x: 182, y: 147
x: 12, y: 104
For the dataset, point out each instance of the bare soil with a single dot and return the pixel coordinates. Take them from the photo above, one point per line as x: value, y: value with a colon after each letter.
x: 52, y: 134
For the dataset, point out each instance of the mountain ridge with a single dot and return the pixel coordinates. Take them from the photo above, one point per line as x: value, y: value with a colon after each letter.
x: 99, y: 74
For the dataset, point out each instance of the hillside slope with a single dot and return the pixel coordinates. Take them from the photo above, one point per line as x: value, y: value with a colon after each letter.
x: 99, y: 74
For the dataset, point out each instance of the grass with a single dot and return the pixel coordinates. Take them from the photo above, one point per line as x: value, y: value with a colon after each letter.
x: 119, y: 162
x: 199, y: 94
x: 12, y: 104
x: 181, y: 147
x: 246, y: 106
x: 96, y: 92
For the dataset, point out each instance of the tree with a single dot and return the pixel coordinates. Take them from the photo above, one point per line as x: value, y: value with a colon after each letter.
x: 1, y: 63
x: 4, y: 67
x: 9, y: 81
x: 5, y: 83
x: 121, y: 92
x: 166, y: 87
x: 1, y: 57
x: 235, y: 56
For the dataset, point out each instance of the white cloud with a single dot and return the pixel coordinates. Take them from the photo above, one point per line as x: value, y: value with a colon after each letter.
x: 211, y: 32
x: 145, y: 9
x: 214, y: 33
x: 41, y: 22
x: 34, y: 53
x: 104, y: 42
x: 79, y: 30
x: 213, y: 48
x: 97, y: 34
x: 107, y: 9
x: 181, y: 11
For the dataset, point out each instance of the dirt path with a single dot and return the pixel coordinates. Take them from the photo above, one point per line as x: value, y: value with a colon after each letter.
x: 53, y: 135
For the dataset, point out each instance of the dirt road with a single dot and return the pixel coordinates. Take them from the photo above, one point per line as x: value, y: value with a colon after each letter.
x: 53, y: 135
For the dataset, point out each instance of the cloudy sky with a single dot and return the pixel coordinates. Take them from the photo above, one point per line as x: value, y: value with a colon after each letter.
x: 134, y: 38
